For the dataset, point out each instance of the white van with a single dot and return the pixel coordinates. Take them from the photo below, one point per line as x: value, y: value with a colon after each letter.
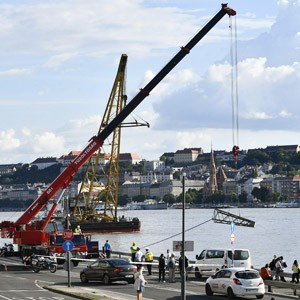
x: 211, y: 260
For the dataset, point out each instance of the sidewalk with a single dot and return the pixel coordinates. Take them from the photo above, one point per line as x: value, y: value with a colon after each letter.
x: 86, y: 293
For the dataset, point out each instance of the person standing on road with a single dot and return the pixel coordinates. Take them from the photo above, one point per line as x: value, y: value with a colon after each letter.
x: 138, y: 256
x: 161, y: 268
x: 186, y: 264
x: 107, y: 249
x: 149, y: 260
x: 139, y: 283
x: 295, y: 270
x: 171, y: 267
x: 280, y: 264
x: 133, y: 250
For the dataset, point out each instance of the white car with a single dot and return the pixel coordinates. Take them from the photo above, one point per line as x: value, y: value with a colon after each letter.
x: 236, y: 282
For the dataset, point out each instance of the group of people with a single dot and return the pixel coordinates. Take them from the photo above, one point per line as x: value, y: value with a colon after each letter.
x: 278, y: 265
x: 165, y: 262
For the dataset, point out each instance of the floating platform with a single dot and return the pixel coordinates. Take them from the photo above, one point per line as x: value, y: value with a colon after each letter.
x: 96, y: 226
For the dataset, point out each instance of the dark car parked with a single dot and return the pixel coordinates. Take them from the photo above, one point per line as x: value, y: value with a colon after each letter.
x: 108, y: 270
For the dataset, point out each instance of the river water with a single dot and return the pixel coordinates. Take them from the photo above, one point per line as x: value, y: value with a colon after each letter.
x: 276, y: 231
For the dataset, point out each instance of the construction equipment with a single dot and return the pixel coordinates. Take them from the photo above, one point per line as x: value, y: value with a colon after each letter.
x: 31, y: 234
x: 97, y: 199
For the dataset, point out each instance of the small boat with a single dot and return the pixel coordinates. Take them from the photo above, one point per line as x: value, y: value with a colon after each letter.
x: 291, y: 204
x: 149, y: 204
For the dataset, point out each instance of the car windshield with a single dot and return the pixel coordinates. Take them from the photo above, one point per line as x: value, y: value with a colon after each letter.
x: 247, y: 275
x: 119, y: 262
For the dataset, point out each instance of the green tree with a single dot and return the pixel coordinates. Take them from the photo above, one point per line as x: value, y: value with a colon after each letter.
x: 139, y: 198
x: 256, y: 157
x: 243, y: 197
x: 169, y: 198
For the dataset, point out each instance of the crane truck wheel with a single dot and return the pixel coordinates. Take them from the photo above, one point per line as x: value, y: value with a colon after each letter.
x: 75, y: 263
x: 53, y: 268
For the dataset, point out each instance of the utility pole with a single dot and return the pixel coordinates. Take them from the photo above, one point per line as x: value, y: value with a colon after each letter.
x: 68, y: 252
x: 183, y: 271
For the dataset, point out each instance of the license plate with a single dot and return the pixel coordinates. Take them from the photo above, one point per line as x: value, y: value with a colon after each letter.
x: 251, y: 290
x: 128, y: 276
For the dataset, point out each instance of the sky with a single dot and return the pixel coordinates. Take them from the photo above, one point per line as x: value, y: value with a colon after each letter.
x: 58, y: 62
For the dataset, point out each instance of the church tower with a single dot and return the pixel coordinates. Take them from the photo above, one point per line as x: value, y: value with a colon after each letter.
x: 212, y: 184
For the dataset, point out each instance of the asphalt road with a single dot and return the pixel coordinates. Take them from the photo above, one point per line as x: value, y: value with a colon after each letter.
x: 18, y: 283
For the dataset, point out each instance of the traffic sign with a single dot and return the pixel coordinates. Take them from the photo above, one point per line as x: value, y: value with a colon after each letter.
x: 232, y: 226
x: 66, y: 266
x: 188, y: 245
x: 68, y: 235
x: 68, y: 245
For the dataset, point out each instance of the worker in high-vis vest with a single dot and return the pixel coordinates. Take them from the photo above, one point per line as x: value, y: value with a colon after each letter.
x: 149, y: 260
x: 78, y: 229
x: 133, y: 250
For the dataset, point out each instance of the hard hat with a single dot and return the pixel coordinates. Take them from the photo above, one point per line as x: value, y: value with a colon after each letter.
x: 133, y: 243
x: 147, y: 249
x: 78, y: 226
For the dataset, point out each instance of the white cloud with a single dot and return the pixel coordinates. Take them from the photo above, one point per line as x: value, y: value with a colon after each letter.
x: 8, y: 141
x: 57, y: 60
x: 16, y: 72
x: 259, y: 115
x: 48, y: 144
x: 26, y: 132
x: 283, y: 2
x: 190, y: 107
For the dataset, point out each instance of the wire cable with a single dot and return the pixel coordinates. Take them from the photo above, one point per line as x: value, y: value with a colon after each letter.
x: 177, y: 233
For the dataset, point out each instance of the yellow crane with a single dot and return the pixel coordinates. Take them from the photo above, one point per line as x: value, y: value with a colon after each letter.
x: 98, y: 192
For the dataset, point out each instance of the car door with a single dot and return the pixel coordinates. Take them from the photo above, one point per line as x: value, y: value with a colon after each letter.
x: 93, y: 270
x: 221, y: 281
x: 104, y: 267
x: 224, y: 281
x: 217, y: 281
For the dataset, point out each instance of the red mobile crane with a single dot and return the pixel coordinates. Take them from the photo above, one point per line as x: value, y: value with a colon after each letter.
x: 28, y: 233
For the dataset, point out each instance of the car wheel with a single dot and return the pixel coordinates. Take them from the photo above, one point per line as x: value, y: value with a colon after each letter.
x: 259, y: 296
x: 208, y: 290
x: 197, y: 273
x: 106, y: 279
x: 230, y: 293
x: 83, y: 278
x: 131, y: 281
x: 75, y: 263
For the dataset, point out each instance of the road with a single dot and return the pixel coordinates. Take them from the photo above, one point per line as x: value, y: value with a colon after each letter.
x: 18, y: 283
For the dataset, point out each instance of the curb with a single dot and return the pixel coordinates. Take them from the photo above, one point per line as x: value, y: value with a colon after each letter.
x: 76, y: 293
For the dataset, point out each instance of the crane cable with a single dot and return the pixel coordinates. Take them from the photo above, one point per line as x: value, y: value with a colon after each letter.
x: 234, y: 89
x: 177, y: 234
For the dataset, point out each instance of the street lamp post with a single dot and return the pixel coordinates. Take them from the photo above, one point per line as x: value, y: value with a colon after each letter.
x: 183, y: 271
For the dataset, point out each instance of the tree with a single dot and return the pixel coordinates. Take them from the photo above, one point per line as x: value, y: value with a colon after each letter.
x: 122, y: 200
x: 243, y: 197
x: 256, y: 157
x: 169, y: 198
x: 139, y: 198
